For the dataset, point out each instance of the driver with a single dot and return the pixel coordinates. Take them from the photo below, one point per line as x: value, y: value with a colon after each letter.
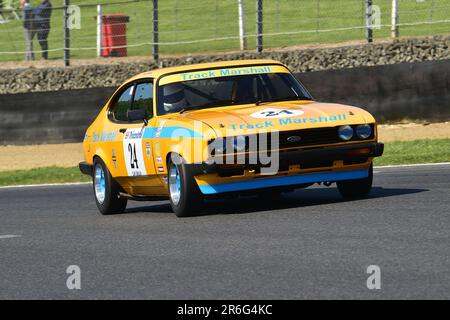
x: 174, y: 98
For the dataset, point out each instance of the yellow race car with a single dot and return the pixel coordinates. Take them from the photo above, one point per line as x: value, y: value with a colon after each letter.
x: 226, y: 128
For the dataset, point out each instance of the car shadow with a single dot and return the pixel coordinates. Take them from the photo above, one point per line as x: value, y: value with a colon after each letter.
x: 298, y: 199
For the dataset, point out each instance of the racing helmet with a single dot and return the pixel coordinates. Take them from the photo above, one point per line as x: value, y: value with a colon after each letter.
x: 174, y: 98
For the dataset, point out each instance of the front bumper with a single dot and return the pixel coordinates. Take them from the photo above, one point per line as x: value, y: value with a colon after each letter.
x: 310, y: 158
x: 283, y: 181
x: 329, y: 164
x: 352, y: 154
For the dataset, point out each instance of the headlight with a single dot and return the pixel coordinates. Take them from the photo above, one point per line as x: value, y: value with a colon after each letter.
x: 345, y: 133
x: 363, y: 131
x: 239, y: 144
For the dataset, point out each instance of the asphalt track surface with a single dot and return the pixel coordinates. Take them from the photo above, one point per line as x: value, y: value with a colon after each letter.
x: 307, y: 244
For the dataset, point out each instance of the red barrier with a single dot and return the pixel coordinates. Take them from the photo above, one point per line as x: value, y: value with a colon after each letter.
x: 114, y: 35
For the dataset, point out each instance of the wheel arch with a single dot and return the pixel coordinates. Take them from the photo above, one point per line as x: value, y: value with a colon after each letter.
x: 100, y: 154
x: 169, y: 155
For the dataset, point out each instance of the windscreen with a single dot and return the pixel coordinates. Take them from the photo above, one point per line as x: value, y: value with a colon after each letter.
x: 229, y: 90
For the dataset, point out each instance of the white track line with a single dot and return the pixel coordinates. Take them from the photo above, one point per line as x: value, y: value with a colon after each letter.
x: 86, y: 183
x: 414, y: 165
x: 46, y: 185
x: 9, y: 236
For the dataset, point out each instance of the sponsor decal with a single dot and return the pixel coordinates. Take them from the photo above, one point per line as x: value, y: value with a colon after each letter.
x: 160, y: 169
x: 294, y: 139
x: 114, y: 158
x: 147, y: 150
x: 276, y: 113
x: 157, y: 149
x: 288, y: 121
x: 225, y: 73
x: 161, y: 125
x: 104, y: 136
x: 133, y: 134
x: 159, y: 160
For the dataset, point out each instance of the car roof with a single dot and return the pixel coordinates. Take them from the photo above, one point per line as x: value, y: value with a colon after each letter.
x: 156, y: 73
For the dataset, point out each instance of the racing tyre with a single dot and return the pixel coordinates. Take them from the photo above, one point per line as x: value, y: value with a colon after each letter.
x: 185, y: 196
x: 356, y: 189
x: 106, y: 190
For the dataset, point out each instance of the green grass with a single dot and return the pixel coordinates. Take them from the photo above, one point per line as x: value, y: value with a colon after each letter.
x: 42, y: 175
x: 419, y: 151
x: 409, y: 152
x: 206, y: 19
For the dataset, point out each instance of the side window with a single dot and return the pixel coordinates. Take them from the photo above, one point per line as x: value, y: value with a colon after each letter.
x: 122, y: 105
x: 143, y: 98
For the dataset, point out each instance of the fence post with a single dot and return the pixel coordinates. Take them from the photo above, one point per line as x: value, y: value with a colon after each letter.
x: 259, y: 26
x: 242, y: 35
x: 369, y: 30
x: 66, y: 34
x: 155, y: 49
x: 99, y: 30
x: 394, y: 21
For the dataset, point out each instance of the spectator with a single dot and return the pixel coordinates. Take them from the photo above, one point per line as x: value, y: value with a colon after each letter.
x: 27, y: 10
x: 42, y: 14
x: 2, y: 20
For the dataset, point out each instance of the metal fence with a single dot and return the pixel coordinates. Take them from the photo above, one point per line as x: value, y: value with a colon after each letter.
x: 169, y: 27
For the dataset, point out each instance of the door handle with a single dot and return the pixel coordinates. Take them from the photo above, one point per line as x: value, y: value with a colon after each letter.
x: 123, y: 130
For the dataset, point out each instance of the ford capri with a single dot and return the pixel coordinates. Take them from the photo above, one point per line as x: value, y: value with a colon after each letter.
x: 221, y: 129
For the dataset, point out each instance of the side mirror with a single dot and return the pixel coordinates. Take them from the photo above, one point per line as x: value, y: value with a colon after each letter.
x: 138, y: 114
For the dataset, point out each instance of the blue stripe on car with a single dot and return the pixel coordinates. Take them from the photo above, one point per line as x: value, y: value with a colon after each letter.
x: 283, y: 181
x: 170, y: 132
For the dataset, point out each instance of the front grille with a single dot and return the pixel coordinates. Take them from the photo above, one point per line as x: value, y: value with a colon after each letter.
x: 308, y: 137
x: 295, y: 139
x: 311, y: 137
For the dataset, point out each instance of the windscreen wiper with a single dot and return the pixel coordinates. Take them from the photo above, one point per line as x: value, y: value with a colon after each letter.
x: 208, y: 105
x: 258, y: 102
x: 189, y: 108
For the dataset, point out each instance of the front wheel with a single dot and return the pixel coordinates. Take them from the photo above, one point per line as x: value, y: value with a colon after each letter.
x: 106, y: 190
x: 356, y: 189
x: 185, y: 196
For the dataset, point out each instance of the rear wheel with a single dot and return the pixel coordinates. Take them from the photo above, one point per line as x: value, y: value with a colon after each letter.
x: 356, y: 189
x: 185, y: 196
x: 106, y: 190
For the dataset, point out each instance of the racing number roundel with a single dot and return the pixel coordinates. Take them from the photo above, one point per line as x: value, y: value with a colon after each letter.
x: 269, y: 113
x: 132, y: 150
